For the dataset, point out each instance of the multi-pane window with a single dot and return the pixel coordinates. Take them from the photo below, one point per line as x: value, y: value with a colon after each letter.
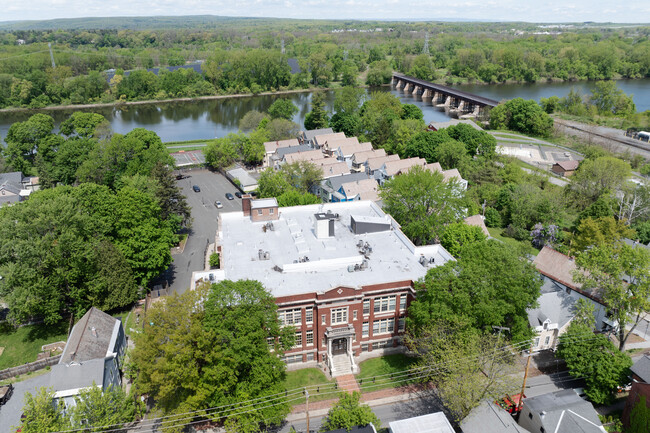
x: 290, y: 317
x: 385, y: 303
x: 339, y: 315
x: 547, y: 340
x: 364, y: 347
x: 400, y: 324
x: 309, y: 315
x: 365, y: 329
x: 323, y: 319
x: 383, y: 326
x: 310, y: 356
x: 270, y: 341
x: 298, y: 340
x: 536, y: 344
x: 354, y: 314
x: 309, y: 337
x: 382, y: 344
x: 402, y: 302
x: 366, y: 307
x: 292, y: 359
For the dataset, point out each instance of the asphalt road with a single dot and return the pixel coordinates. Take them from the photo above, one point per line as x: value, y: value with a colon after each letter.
x: 214, y: 187
x: 10, y: 412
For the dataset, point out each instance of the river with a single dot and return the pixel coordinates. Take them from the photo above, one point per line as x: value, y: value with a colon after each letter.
x: 177, y: 121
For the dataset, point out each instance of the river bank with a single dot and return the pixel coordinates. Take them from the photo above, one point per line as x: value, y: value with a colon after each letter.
x: 167, y: 101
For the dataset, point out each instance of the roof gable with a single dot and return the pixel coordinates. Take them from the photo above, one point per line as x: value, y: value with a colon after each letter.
x: 91, y: 337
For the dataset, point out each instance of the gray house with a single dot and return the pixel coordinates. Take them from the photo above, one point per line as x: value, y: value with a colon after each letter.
x: 14, y: 187
x: 559, y: 412
x: 94, y: 354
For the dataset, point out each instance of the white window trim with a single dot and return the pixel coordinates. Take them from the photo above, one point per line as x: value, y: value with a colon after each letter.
x: 334, y: 313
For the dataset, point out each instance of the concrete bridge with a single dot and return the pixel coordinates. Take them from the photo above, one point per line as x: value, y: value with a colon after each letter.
x: 463, y: 103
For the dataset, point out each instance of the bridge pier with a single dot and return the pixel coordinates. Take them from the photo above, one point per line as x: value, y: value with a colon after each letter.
x: 461, y: 106
x: 448, y: 101
x: 416, y: 90
x: 407, y: 86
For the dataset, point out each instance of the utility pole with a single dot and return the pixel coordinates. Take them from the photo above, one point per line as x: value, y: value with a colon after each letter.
x: 49, y: 45
x: 307, y: 408
x: 523, y: 385
x: 282, y: 46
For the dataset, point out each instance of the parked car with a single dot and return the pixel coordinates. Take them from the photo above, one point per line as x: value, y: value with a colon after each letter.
x: 218, y: 204
x: 230, y: 196
x: 196, y: 188
x: 5, y: 393
x: 238, y: 194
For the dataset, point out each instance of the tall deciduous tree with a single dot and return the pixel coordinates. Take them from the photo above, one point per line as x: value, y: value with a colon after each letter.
x: 620, y: 274
x: 41, y: 415
x: 317, y: 118
x: 210, y: 347
x: 423, y: 203
x: 594, y: 358
x: 348, y: 412
x: 598, y: 177
x: 457, y: 235
x: 489, y: 285
x: 282, y: 108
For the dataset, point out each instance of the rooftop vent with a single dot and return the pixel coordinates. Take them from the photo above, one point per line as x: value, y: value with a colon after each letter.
x: 268, y: 227
x: 263, y: 255
x: 94, y: 331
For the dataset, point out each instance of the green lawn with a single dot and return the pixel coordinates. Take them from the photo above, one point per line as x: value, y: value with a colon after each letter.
x: 384, y: 367
x: 22, y: 345
x: 309, y: 377
x: 497, y: 233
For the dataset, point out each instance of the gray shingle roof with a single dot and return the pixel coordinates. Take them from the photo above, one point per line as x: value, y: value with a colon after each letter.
x: 338, y: 181
x: 642, y: 368
x: 490, y: 418
x: 565, y: 412
x: 293, y: 149
x: 90, y: 338
x: 77, y: 375
x: 556, y: 306
x: 310, y: 134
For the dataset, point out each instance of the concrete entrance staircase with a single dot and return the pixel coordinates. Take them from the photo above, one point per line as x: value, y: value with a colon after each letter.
x: 341, y: 365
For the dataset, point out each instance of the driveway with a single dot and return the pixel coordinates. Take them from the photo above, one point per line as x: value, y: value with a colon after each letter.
x: 10, y: 412
x: 214, y: 187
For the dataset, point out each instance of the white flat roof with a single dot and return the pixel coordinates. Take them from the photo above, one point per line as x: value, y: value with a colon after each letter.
x: 292, y: 238
x: 430, y: 423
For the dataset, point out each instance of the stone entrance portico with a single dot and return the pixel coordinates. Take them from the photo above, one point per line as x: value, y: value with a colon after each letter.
x: 340, y: 358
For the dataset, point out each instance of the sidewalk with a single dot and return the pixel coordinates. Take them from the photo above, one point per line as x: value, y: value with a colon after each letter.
x: 372, y: 399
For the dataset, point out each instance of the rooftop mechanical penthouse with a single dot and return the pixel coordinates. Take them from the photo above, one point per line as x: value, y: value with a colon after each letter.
x: 341, y: 273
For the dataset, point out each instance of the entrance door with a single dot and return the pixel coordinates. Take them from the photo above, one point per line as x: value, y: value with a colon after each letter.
x: 339, y: 346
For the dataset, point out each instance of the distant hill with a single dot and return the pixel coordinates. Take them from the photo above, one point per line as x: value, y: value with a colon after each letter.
x: 133, y: 23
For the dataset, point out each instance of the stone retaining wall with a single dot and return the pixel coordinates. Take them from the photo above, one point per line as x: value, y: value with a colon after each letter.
x: 31, y: 366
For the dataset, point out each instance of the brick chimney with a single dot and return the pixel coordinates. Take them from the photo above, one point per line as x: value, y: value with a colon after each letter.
x: 246, y: 204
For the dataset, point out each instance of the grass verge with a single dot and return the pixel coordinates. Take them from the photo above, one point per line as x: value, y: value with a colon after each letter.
x: 23, y: 344
x: 309, y: 377
x: 497, y: 233
x: 384, y: 366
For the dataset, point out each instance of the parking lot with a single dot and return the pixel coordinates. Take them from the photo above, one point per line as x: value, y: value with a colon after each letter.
x: 185, y: 158
x: 214, y: 186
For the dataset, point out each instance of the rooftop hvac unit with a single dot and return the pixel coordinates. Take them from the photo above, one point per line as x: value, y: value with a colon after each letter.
x: 267, y: 255
x: 211, y: 277
x: 423, y: 260
x: 432, y: 260
x: 364, y: 265
x: 350, y: 268
x: 360, y: 244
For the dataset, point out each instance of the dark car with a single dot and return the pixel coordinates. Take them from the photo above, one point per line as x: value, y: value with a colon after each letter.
x: 230, y: 196
x: 196, y: 188
x: 238, y: 194
x: 5, y: 393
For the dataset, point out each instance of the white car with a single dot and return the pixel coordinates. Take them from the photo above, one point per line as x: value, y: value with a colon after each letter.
x: 218, y: 204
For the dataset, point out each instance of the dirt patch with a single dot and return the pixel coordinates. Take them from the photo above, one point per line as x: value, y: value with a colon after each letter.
x: 2, y: 349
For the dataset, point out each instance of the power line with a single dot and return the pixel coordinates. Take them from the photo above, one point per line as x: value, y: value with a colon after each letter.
x: 331, y: 388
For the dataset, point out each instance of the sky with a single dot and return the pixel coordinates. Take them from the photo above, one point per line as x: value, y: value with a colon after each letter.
x: 630, y: 11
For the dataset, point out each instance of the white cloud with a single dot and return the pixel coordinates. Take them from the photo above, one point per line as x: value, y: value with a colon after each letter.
x: 492, y: 10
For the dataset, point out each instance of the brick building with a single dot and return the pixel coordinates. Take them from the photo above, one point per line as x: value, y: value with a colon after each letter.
x: 342, y: 274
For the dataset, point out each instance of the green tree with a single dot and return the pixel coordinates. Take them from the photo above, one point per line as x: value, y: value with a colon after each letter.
x: 466, y: 367
x: 523, y: 116
x: 141, y: 236
x: 272, y: 183
x: 377, y: 117
x: 640, y: 417
x: 302, y: 175
x: 477, y: 142
x: 220, y: 154
x: 97, y: 407
x: 292, y: 197
x: 609, y: 99
x: 594, y: 358
x: 619, y: 274
x: 251, y: 120
x: 422, y: 203
x: 282, y: 108
x: 41, y: 415
x: 592, y: 232
x: 459, y: 234
x: 379, y: 73
x: 317, y: 118
x: 280, y: 129
x: 509, y: 285
x: 598, y: 177
x: 412, y: 111
x: 57, y: 256
x: 348, y: 412
x: 424, y: 144
x: 423, y: 68
x: 84, y: 125
x: 197, y: 352
x: 452, y: 154
x: 24, y: 140
x: 348, y: 123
